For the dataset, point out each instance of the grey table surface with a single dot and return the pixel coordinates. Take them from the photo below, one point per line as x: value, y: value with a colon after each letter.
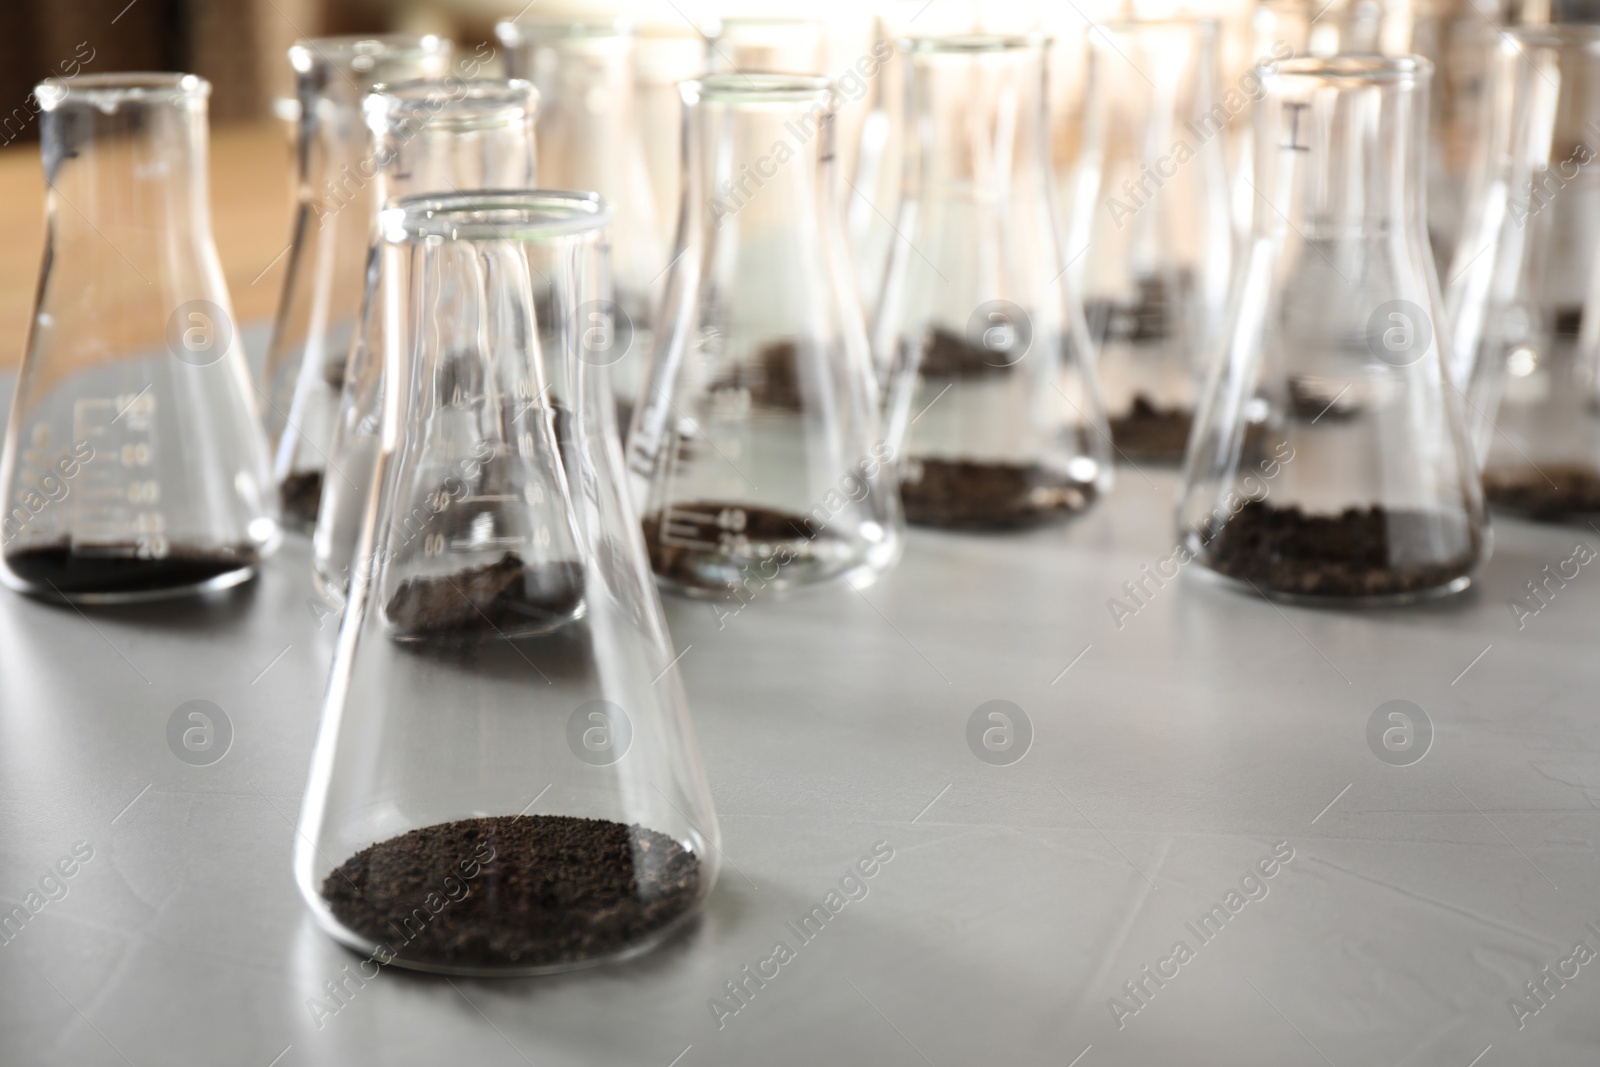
x: 1169, y: 756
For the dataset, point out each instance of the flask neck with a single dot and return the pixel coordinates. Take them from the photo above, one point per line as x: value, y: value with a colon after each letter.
x: 125, y: 161
x: 445, y: 135
x: 587, y: 122
x: 976, y: 112
x: 1339, y: 149
x: 335, y: 167
x: 760, y: 158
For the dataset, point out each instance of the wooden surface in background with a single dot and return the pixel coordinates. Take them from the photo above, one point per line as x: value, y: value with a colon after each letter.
x: 250, y: 205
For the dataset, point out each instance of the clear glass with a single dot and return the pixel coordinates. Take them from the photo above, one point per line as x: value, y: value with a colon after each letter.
x: 134, y: 464
x: 433, y: 136
x: 664, y: 57
x: 505, y: 781
x: 1527, y: 329
x: 1320, y: 28
x: 1331, y: 462
x: 766, y: 45
x: 333, y: 220
x: 1341, y: 27
x: 980, y: 339
x: 875, y: 185
x: 758, y: 459
x: 1157, y: 231
x: 1459, y: 38
x: 589, y: 138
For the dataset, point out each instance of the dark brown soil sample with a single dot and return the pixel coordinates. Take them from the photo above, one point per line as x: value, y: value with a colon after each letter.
x: 1566, y: 321
x: 948, y: 354
x: 1151, y: 433
x: 772, y: 377
x: 969, y: 494
x: 117, y: 569
x: 1547, y: 494
x: 1320, y: 400
x: 507, y: 597
x: 547, y: 889
x: 300, y: 497
x: 693, y: 529
x: 1358, y: 553
x: 1148, y: 317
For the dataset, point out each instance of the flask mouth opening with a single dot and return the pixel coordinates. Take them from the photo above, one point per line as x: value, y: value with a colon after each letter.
x: 758, y: 88
x: 1203, y: 25
x: 975, y: 44
x: 362, y: 53
x: 512, y: 32
x: 107, y: 92
x: 719, y: 26
x: 1357, y: 70
x: 454, y: 103
x: 495, y: 215
x: 1554, y: 35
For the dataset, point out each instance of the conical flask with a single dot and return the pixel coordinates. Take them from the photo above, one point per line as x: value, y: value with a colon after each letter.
x: 1524, y: 339
x: 1158, y: 235
x: 1331, y: 461
x: 134, y: 464
x: 758, y: 459
x: 432, y: 136
x: 979, y: 336
x: 1459, y: 37
x: 333, y: 220
x: 589, y: 139
x: 505, y: 780
x: 752, y: 45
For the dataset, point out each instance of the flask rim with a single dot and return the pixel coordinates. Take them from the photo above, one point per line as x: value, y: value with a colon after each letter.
x: 495, y: 215
x: 513, y: 32
x: 1208, y: 24
x: 1357, y: 70
x: 455, y: 103
x: 715, y: 25
x: 361, y: 52
x: 758, y: 87
x: 109, y: 91
x: 975, y: 43
x: 1555, y: 34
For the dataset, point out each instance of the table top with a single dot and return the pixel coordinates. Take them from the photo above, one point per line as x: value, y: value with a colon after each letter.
x: 1200, y: 774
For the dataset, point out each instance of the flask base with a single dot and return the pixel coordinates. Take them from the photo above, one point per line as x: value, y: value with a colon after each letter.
x: 990, y: 495
x: 513, y: 894
x: 715, y: 550
x: 1150, y: 433
x: 1552, y: 492
x: 1361, y: 557
x: 113, y: 574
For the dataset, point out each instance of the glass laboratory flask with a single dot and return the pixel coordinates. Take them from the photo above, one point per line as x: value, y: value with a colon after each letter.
x: 505, y: 780
x: 433, y: 136
x: 1157, y: 231
x: 589, y: 138
x: 1331, y: 461
x: 765, y: 45
x: 1459, y: 37
x: 994, y: 407
x: 1523, y: 301
x: 333, y: 220
x: 134, y: 463
x: 758, y: 459
x: 663, y: 57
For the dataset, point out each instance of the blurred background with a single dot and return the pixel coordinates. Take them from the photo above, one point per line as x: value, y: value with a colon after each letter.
x: 240, y: 46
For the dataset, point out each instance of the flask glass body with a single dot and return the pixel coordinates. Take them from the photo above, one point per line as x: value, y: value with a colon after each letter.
x: 505, y: 780
x: 134, y: 464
